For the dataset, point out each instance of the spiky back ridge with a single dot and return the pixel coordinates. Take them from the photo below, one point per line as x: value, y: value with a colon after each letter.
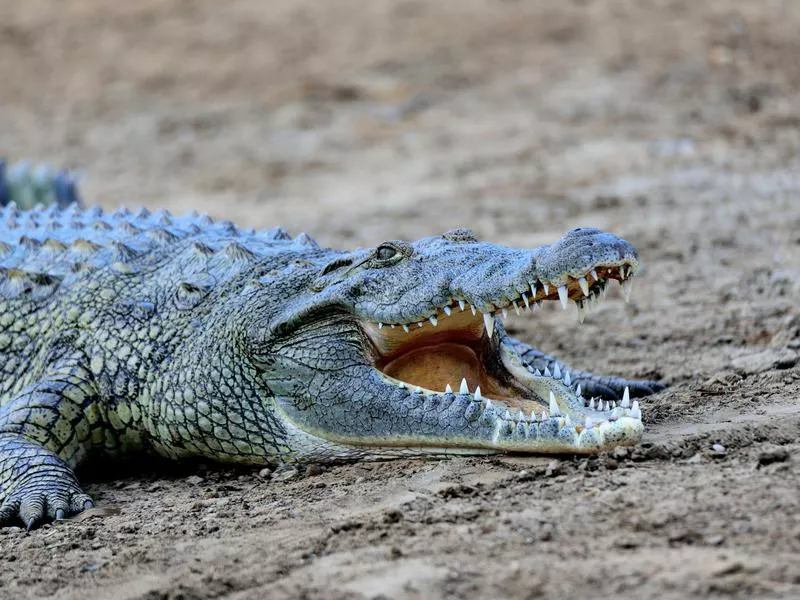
x: 44, y: 249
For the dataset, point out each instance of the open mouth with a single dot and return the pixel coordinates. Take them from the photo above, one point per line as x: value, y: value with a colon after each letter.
x: 455, y: 349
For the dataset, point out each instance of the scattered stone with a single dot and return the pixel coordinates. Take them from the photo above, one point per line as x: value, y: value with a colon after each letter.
x: 265, y: 473
x: 620, y: 452
x: 718, y: 451
x: 194, y: 480
x: 610, y: 464
x: 284, y: 474
x: 554, y: 468
x: 314, y: 469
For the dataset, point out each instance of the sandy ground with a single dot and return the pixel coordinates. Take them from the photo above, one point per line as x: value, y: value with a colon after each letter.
x: 672, y: 123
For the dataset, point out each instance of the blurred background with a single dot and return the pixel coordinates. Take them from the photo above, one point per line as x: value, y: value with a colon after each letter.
x: 361, y: 120
x: 673, y: 123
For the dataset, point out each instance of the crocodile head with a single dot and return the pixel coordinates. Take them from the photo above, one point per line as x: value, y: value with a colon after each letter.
x: 401, y: 348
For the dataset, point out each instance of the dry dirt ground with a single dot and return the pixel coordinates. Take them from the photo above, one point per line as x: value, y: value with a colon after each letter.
x: 675, y: 124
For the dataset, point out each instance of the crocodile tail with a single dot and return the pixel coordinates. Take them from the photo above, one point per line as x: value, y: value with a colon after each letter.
x: 28, y: 185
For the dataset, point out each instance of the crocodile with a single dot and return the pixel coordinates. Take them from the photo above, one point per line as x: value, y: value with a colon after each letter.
x: 137, y: 332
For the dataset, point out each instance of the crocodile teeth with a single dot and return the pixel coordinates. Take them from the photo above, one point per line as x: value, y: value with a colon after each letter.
x: 627, y: 288
x: 418, y: 390
x: 594, y: 274
x: 472, y: 308
x: 636, y: 412
x: 507, y: 416
x: 563, y: 296
x: 556, y: 371
x: 380, y: 325
x: 546, y: 288
x: 525, y: 300
x: 405, y: 328
x: 581, y: 311
x: 554, y: 411
x: 464, y: 389
x: 626, y: 398
x: 584, y: 286
x: 447, y: 310
x: 537, y: 372
x: 516, y: 307
x: 533, y: 291
x: 488, y: 322
x: 608, y: 406
x: 567, y: 378
x: 591, y: 403
x: 448, y: 389
x: 505, y: 312
x: 477, y: 393
x: 578, y: 391
x: 420, y: 324
x: 434, y: 321
x: 547, y: 372
x: 588, y: 423
x: 520, y: 416
x: 545, y: 416
x: 461, y: 305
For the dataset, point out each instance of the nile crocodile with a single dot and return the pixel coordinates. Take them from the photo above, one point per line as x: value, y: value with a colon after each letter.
x: 123, y: 332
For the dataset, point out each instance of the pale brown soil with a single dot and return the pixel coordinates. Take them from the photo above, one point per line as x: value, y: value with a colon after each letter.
x: 675, y: 124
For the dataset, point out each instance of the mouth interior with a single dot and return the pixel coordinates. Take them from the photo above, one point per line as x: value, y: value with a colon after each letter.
x: 433, y: 358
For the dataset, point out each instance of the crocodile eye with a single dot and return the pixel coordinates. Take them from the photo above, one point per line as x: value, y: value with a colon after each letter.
x: 385, y: 252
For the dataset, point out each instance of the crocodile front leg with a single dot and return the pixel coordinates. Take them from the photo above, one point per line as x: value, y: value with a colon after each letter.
x: 46, y: 431
x: 608, y: 387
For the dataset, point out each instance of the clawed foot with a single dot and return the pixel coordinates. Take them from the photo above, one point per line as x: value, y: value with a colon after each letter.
x: 41, y: 499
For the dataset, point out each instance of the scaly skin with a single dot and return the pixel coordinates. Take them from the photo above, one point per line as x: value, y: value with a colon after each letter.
x: 123, y: 333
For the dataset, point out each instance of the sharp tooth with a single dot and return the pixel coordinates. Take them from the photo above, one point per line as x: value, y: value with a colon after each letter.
x: 504, y: 312
x: 588, y: 423
x: 554, y: 406
x: 418, y: 390
x: 591, y: 403
x: 526, y: 301
x: 533, y: 291
x: 516, y: 307
x: 405, y: 328
x: 584, y: 286
x: 581, y: 311
x: 537, y: 372
x: 626, y: 398
x: 608, y: 406
x: 594, y: 274
x: 546, y: 288
x: 547, y: 372
x: 507, y: 416
x: 556, y: 371
x: 545, y: 416
x: 636, y: 412
x: 533, y: 416
x: 461, y: 305
x: 401, y: 385
x: 434, y: 321
x: 464, y: 387
x: 391, y: 325
x: 477, y: 393
x: 380, y: 325
x: 488, y: 322
x: 447, y: 310
x: 563, y: 295
x: 567, y: 421
x: 578, y: 391
x: 567, y: 378
x: 489, y: 404
x: 420, y: 324
x: 627, y: 288
x: 448, y: 389
x: 613, y: 404
x: 520, y: 416
x: 472, y: 308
